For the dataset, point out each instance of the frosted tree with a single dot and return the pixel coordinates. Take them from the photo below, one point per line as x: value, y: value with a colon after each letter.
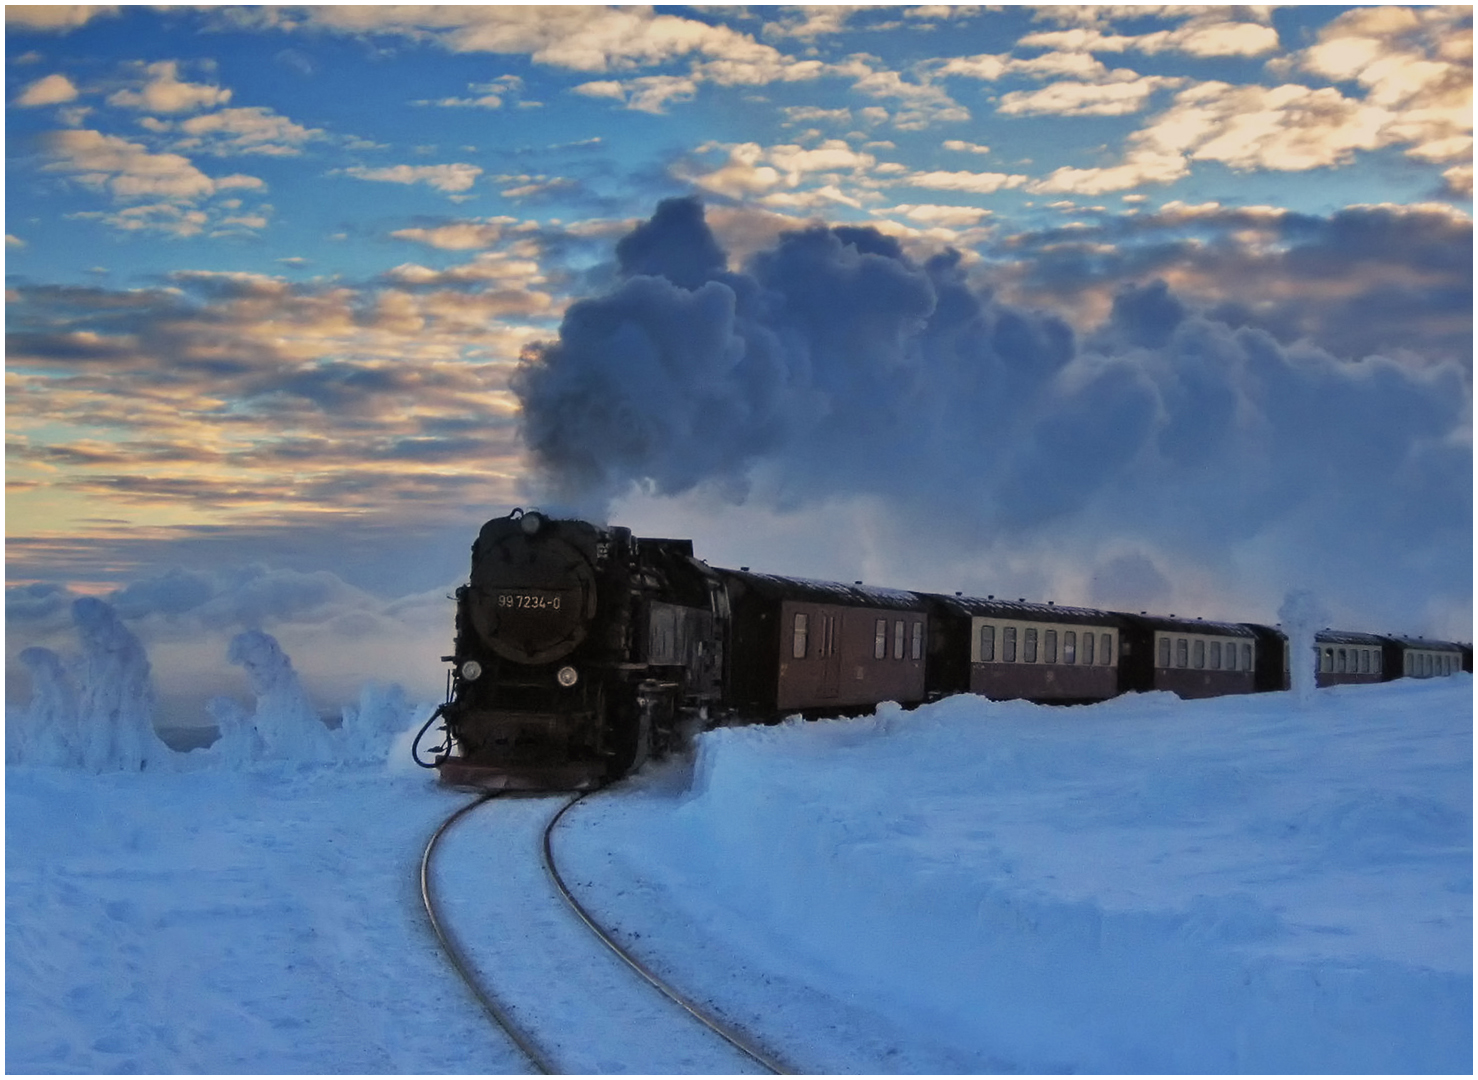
x: 371, y: 727
x: 1302, y: 616
x: 46, y: 732
x: 239, y: 742
x: 115, y: 706
x: 285, y: 720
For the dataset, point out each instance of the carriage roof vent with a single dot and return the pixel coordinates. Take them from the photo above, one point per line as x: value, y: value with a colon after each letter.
x: 1051, y: 603
x: 992, y: 596
x: 1021, y: 599
x: 745, y: 569
x: 856, y: 583
x: 957, y: 593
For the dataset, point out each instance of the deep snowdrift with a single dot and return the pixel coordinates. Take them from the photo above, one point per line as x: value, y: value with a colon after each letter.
x: 1146, y: 885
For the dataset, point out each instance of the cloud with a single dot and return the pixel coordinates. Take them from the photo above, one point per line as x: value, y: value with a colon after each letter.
x: 238, y: 397
x: 458, y: 235
x: 55, y: 18
x: 1396, y: 280
x: 1417, y: 64
x: 985, y: 183
x: 1121, y: 95
x: 575, y: 38
x: 489, y: 95
x: 1208, y: 34
x: 51, y: 90
x: 446, y: 178
x: 755, y: 170
x: 247, y: 130
x: 1415, y: 72
x: 961, y: 146
x: 932, y: 214
x: 649, y: 93
x: 130, y: 171
x: 161, y: 91
x: 920, y: 104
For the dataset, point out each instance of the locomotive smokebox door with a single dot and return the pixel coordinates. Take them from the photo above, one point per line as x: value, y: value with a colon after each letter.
x: 533, y: 596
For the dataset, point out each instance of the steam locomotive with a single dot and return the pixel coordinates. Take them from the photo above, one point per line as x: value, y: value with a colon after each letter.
x: 582, y: 650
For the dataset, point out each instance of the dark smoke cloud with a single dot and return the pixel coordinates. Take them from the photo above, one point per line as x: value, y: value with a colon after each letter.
x: 835, y: 365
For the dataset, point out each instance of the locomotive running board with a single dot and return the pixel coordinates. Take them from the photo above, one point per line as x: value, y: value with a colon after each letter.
x: 576, y: 776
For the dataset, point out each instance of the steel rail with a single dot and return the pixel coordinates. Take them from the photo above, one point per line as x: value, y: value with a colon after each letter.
x: 733, y: 1038
x: 489, y: 1004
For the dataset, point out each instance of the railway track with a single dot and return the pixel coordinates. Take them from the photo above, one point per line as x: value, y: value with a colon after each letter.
x: 568, y: 1005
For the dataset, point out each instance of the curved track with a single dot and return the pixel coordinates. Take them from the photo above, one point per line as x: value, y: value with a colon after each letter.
x: 560, y: 1001
x: 458, y: 960
x: 733, y: 1038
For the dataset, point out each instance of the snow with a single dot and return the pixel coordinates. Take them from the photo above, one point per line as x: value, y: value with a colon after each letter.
x: 1253, y: 884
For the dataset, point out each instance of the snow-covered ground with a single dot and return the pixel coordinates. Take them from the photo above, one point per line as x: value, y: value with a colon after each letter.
x: 1243, y: 884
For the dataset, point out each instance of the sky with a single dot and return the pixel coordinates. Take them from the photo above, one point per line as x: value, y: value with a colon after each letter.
x: 1147, y: 308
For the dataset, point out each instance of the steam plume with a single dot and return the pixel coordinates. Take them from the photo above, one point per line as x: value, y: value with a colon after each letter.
x: 835, y: 365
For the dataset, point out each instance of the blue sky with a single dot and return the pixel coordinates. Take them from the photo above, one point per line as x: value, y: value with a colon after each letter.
x: 271, y: 270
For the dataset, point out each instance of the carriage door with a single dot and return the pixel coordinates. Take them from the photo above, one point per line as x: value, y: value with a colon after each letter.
x: 829, y: 655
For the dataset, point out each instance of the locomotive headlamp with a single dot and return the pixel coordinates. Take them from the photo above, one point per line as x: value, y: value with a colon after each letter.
x: 567, y: 676
x: 531, y: 522
x: 471, y: 671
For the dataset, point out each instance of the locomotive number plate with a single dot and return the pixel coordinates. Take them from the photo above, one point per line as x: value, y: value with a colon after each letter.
x: 528, y: 602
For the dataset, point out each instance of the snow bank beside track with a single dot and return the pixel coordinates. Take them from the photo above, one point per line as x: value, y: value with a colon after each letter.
x: 1236, y: 885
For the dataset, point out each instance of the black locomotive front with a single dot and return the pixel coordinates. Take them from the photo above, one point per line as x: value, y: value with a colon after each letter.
x: 579, y: 649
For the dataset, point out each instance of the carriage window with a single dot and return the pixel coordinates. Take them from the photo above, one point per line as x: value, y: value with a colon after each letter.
x: 1216, y: 656
x: 1339, y: 661
x: 1247, y: 657
x: 1182, y: 652
x: 918, y: 641
x: 1231, y: 656
x: 1198, y: 651
x: 1070, y: 647
x: 1428, y: 664
x: 880, y: 640
x: 1406, y: 663
x: 898, y: 640
x: 1164, y: 652
x: 1088, y: 648
x: 1008, y: 644
x: 1327, y: 663
x: 987, y: 644
x: 1364, y: 661
x: 798, y: 646
x: 1049, y: 644
x: 1375, y: 661
x: 1106, y: 649
x: 1029, y: 646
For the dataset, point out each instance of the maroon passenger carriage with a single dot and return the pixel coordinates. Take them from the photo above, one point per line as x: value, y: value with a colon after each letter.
x: 1190, y: 657
x: 822, y: 648
x: 1004, y: 650
x: 1342, y: 657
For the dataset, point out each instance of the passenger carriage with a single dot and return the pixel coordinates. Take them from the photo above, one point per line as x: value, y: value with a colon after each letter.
x: 1342, y: 657
x: 1003, y: 650
x: 822, y: 648
x: 1419, y: 658
x: 1189, y: 657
